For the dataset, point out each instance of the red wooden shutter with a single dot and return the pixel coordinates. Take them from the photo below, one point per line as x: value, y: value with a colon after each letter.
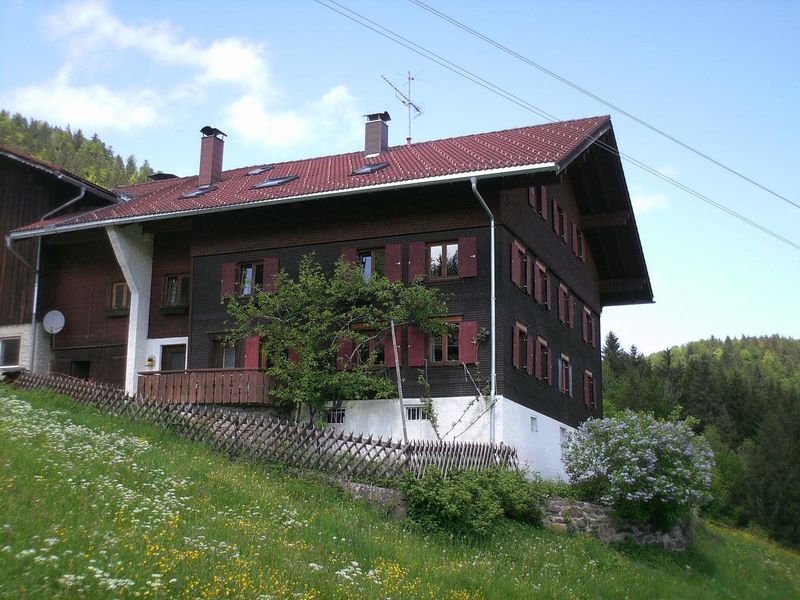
x: 468, y: 256
x: 562, y: 305
x: 537, y: 285
x: 270, y: 271
x: 515, y: 347
x: 586, y: 399
x: 529, y: 276
x: 227, y: 280
x: 467, y: 344
x: 388, y: 350
x: 543, y: 192
x: 575, y: 239
x: 549, y: 367
x: 416, y: 347
x: 556, y: 220
x: 515, y: 264
x: 251, y: 352
x: 571, y: 303
x: 532, y: 196
x: 393, y: 266
x: 547, y: 293
x: 416, y: 260
x: 531, y: 354
x: 349, y: 254
x: 345, y: 350
x: 537, y: 359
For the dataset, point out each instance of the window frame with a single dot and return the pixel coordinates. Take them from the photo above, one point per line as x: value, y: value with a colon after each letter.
x: 542, y: 277
x: 542, y: 359
x: 374, y: 346
x: 443, y: 245
x: 589, y: 390
x: 537, y: 199
x: 417, y: 414
x: 445, y: 346
x: 587, y: 328
x: 565, y: 375
x: 523, y: 348
x: 219, y: 351
x: 565, y: 300
x: 559, y: 221
x: 183, y: 287
x: 579, y: 244
x: 522, y: 258
x: 372, y: 252
x: 255, y: 284
x: 334, y: 416
x: 126, y: 303
x: 3, y: 342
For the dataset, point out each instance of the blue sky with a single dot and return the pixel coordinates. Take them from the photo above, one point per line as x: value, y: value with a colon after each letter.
x: 293, y: 79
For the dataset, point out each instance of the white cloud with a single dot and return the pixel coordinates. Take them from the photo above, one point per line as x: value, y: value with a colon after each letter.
x: 645, y: 203
x: 93, y: 35
x: 92, y: 107
x: 669, y: 171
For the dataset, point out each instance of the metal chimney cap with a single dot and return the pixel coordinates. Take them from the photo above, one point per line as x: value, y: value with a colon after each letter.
x: 384, y: 116
x: 209, y: 131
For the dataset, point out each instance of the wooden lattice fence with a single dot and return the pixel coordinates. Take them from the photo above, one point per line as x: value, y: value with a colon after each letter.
x: 269, y: 438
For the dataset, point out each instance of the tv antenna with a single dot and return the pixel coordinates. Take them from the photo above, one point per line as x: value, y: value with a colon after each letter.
x: 406, y: 100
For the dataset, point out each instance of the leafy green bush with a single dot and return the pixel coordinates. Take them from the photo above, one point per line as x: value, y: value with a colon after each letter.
x: 655, y: 472
x: 471, y: 503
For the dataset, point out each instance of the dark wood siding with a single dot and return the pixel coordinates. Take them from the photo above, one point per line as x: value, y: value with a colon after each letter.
x: 170, y: 257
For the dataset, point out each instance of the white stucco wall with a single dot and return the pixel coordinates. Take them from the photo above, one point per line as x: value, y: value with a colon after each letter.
x: 23, y: 332
x: 152, y: 347
x: 134, y: 252
x: 538, y: 451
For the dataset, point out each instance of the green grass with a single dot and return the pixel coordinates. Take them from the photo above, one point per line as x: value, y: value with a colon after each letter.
x: 92, y: 506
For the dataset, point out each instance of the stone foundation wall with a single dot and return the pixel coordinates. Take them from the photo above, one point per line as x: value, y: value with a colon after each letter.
x: 561, y: 514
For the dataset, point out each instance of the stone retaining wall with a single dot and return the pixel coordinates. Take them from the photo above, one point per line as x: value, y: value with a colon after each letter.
x: 562, y: 514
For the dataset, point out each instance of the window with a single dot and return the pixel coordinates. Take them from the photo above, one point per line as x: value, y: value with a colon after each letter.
x: 9, y: 352
x: 416, y: 413
x: 565, y: 375
x: 542, y: 285
x: 249, y: 276
x: 537, y: 198
x: 521, y: 348
x: 588, y: 389
x: 199, y: 191
x: 542, y: 368
x: 519, y: 267
x: 559, y: 221
x: 367, y: 169
x: 443, y: 260
x: 120, y: 296
x: 274, y: 182
x: 372, y: 350
x: 260, y: 170
x: 534, y: 424
x: 176, y: 290
x: 226, y: 356
x: 588, y: 334
x: 173, y: 358
x: 565, y: 310
x: 334, y: 416
x: 577, y: 242
x: 444, y: 348
x: 372, y: 262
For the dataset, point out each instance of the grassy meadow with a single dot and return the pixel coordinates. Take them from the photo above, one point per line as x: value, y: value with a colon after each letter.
x: 97, y: 507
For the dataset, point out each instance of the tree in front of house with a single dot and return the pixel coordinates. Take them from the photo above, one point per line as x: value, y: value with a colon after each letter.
x: 324, y: 336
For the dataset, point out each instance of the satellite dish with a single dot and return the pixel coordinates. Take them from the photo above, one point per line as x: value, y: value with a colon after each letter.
x: 53, y: 321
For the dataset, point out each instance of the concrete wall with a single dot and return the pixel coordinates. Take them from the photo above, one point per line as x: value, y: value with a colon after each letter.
x: 468, y: 420
x: 152, y: 347
x: 43, y: 353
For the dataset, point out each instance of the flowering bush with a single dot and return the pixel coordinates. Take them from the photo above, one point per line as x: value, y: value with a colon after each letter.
x: 651, y: 471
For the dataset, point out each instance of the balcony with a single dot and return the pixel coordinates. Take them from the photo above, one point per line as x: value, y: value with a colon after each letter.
x: 206, y: 386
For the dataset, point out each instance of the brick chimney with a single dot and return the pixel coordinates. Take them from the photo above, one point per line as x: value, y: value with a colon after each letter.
x: 211, y: 146
x: 376, y: 133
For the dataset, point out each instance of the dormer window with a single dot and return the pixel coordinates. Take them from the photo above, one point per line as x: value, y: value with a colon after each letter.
x: 260, y: 170
x: 199, y: 191
x: 275, y: 182
x: 367, y: 169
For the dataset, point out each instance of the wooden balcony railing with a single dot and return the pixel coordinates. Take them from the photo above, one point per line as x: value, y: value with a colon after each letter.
x: 206, y: 386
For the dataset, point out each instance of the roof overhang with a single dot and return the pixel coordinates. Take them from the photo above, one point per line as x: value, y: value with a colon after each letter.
x: 399, y: 185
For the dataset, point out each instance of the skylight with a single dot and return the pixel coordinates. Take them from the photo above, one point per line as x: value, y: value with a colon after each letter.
x: 261, y: 169
x: 366, y: 169
x: 268, y: 183
x: 199, y: 191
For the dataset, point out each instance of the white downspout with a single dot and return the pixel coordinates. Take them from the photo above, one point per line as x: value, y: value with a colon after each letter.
x: 493, y: 333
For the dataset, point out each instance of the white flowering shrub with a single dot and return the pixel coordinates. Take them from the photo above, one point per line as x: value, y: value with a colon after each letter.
x: 649, y: 470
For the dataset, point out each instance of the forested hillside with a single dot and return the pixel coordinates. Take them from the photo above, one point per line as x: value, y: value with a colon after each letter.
x: 89, y: 158
x: 746, y: 395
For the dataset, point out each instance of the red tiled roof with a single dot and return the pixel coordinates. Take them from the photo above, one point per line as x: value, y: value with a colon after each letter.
x: 526, y: 146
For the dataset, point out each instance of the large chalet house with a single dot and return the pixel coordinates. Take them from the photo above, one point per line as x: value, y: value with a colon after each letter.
x: 531, y: 230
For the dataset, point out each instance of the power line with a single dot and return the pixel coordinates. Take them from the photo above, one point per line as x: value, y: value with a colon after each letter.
x: 466, y: 74
x: 594, y: 96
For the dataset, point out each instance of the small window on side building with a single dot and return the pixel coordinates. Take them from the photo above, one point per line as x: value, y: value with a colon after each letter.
x: 372, y: 262
x: 9, y: 352
x: 176, y: 290
x: 334, y: 416
x: 443, y: 260
x: 120, y: 296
